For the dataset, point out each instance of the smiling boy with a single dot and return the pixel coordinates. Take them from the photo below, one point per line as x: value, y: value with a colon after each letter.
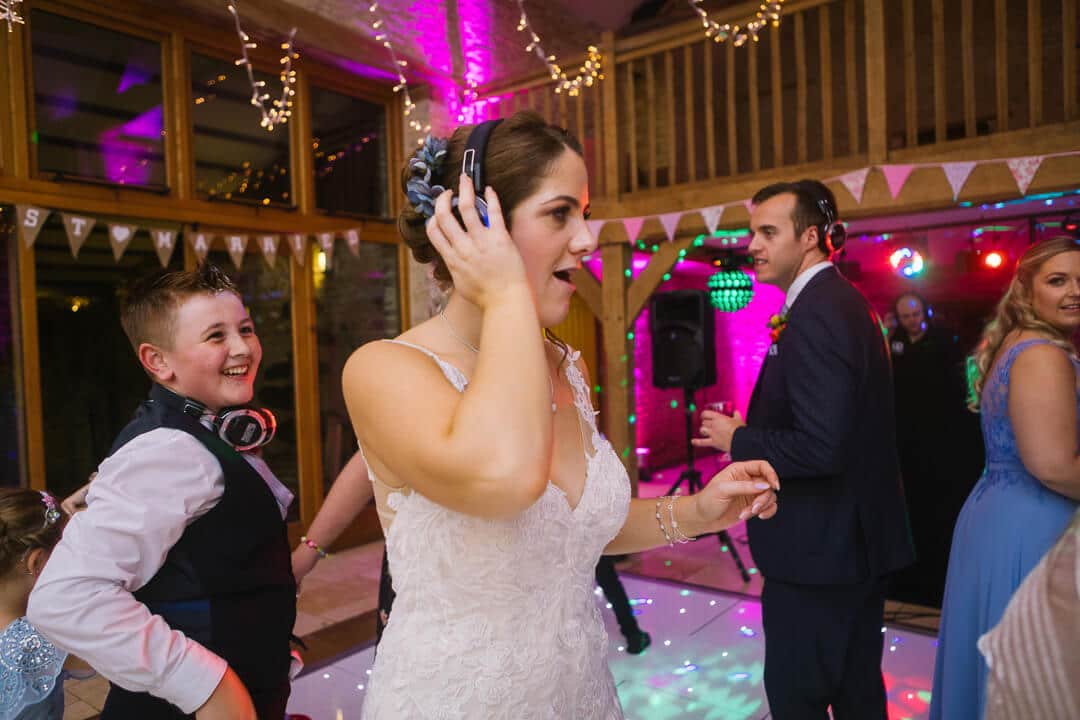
x: 175, y: 582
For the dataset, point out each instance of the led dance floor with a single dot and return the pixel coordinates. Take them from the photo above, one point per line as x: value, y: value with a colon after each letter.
x: 705, y: 662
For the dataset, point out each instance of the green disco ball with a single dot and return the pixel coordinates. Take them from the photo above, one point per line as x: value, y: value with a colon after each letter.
x: 730, y: 290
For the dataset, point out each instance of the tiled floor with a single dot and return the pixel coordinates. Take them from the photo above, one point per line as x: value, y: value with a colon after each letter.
x: 705, y: 662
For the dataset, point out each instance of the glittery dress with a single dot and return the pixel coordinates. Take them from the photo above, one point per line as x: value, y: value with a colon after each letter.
x: 30, y: 666
x: 1008, y: 523
x: 497, y: 618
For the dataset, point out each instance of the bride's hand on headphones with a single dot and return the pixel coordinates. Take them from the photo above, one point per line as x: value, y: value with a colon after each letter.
x: 483, y: 261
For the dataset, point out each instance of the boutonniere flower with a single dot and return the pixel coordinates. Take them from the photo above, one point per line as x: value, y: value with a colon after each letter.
x: 776, y: 326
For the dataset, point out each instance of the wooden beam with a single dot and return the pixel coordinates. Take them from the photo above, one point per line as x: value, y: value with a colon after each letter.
x: 588, y: 289
x: 646, y: 283
x: 616, y: 399
x: 877, y: 108
x: 650, y: 119
x: 1035, y: 61
x: 688, y: 93
x: 825, y: 39
x: 16, y: 87
x: 941, y: 112
x: 755, y: 110
x: 710, y: 114
x: 305, y: 391
x: 670, y: 118
x: 300, y: 152
x: 777, y: 99
x: 732, y: 131
x: 610, y: 107
x: 851, y: 76
x: 911, y: 78
x: 631, y: 124
x: 564, y: 119
x: 29, y: 364
x: 1069, y: 70
x: 1001, y: 63
x: 800, y: 86
x: 179, y: 140
x: 967, y: 49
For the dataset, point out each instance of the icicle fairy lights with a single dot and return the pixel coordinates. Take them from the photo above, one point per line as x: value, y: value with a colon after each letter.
x: 588, y: 74
x: 9, y: 12
x: 767, y: 14
x: 378, y: 26
x: 280, y: 109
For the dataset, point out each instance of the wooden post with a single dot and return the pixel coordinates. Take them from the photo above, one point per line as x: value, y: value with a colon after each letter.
x: 850, y: 74
x: 732, y: 130
x: 755, y: 110
x: 1068, y: 75
x: 777, y: 98
x: 650, y: 119
x: 1001, y: 64
x: 941, y: 112
x: 609, y: 100
x: 877, y: 130
x: 825, y: 37
x: 710, y: 115
x: 1035, y: 61
x: 967, y: 48
x: 688, y: 92
x: 616, y: 400
x: 800, y: 87
x: 180, y: 162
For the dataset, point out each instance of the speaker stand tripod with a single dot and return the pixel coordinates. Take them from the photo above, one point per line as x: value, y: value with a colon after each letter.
x: 692, y: 478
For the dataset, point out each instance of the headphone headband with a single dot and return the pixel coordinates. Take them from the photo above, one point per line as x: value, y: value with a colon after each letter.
x: 472, y: 163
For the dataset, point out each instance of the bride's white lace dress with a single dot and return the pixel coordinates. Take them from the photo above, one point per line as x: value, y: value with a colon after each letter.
x: 497, y: 618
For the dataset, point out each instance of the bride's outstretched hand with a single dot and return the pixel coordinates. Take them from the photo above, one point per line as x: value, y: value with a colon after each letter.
x: 740, y: 491
x: 483, y: 261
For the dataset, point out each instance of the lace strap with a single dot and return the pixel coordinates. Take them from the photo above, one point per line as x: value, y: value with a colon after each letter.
x: 452, y: 373
x: 582, y: 401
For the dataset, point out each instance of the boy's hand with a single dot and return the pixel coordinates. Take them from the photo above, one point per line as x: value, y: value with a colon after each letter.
x: 76, y: 501
x: 230, y: 701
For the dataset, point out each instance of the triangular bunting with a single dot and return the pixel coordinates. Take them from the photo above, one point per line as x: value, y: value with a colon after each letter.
x: 236, y: 245
x: 957, y: 174
x: 711, y: 216
x: 326, y: 242
x: 164, y: 243
x: 633, y: 228
x: 78, y: 229
x: 896, y: 176
x: 298, y: 245
x: 352, y: 240
x: 595, y: 226
x: 268, y: 244
x: 670, y: 221
x: 31, y: 219
x: 749, y: 205
x: 200, y: 243
x: 1023, y: 170
x: 120, y: 235
x: 855, y: 182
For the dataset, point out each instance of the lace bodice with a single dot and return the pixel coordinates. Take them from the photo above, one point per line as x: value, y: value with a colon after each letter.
x: 496, y: 618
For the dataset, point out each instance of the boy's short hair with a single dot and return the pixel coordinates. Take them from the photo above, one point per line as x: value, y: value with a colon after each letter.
x: 148, y: 312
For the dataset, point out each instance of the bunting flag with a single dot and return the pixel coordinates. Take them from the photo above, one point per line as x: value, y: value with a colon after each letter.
x: 237, y: 246
x: 268, y: 244
x: 352, y: 240
x: 749, y: 205
x: 595, y: 226
x: 164, y: 243
x: 896, y: 176
x: 326, y: 242
x: 78, y: 228
x: 120, y: 235
x: 31, y: 219
x: 633, y: 228
x: 855, y: 182
x: 298, y: 245
x: 670, y: 221
x: 712, y: 215
x: 1023, y: 170
x: 957, y: 173
x: 200, y: 243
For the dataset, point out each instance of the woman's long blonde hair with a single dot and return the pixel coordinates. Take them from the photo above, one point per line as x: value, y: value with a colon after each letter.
x: 1016, y: 312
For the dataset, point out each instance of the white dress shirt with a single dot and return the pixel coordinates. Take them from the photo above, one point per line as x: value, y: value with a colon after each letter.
x: 143, y: 498
x: 801, y: 282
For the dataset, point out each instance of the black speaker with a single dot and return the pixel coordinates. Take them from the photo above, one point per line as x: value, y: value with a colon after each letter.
x: 683, y: 339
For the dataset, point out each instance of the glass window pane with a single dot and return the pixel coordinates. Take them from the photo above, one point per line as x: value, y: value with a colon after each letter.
x: 11, y: 430
x: 267, y: 295
x: 356, y: 302
x: 97, y: 103
x: 235, y: 158
x: 349, y: 144
x: 91, y: 382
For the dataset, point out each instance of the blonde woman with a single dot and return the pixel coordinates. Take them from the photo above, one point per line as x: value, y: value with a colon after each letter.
x: 1026, y: 389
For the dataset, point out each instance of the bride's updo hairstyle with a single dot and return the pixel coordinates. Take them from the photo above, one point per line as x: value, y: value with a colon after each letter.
x: 520, y: 153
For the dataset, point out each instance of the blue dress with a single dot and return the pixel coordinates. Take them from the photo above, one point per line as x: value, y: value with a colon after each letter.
x: 1008, y: 523
x: 31, y: 684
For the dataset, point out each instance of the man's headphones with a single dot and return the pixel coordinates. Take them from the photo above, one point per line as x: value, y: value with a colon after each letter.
x: 243, y: 428
x: 472, y: 164
x: 833, y: 233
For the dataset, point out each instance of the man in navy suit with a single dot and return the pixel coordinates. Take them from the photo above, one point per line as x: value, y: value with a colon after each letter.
x: 822, y: 414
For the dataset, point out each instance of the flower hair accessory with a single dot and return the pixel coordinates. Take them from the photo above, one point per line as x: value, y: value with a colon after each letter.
x: 426, y: 163
x: 52, y: 511
x: 776, y: 326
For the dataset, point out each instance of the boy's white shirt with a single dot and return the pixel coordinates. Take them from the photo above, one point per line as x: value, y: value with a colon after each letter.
x: 143, y: 498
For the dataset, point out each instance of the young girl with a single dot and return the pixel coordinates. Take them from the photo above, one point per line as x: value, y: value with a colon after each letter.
x: 30, y: 666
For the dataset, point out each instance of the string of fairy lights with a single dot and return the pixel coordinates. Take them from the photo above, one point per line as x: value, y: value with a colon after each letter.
x: 588, y: 74
x: 739, y: 33
x: 9, y: 13
x: 280, y: 109
x: 378, y: 26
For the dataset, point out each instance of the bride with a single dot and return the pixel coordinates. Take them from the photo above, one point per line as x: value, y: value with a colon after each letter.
x: 495, y: 490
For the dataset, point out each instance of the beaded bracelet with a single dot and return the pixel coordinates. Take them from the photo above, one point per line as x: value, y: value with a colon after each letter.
x: 660, y: 521
x: 680, y: 537
x: 314, y: 546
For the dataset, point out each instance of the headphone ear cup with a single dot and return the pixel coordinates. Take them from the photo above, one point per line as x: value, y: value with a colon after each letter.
x: 837, y: 236
x: 247, y: 428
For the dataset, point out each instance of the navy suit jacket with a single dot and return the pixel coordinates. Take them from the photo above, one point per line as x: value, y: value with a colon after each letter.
x: 822, y: 415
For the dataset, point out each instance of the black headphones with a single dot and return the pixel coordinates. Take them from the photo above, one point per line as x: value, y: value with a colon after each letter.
x: 472, y: 164
x: 833, y: 233
x: 242, y: 428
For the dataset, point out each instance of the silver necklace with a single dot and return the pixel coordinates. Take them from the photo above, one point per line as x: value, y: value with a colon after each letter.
x: 466, y: 343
